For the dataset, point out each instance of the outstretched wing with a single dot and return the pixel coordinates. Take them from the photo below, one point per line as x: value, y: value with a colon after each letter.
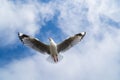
x: 33, y: 43
x: 68, y: 43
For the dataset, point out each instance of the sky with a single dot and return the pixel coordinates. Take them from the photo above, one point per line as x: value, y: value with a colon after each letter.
x: 96, y: 57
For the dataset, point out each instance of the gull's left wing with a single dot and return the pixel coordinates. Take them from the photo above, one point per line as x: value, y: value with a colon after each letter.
x: 68, y: 43
x: 34, y: 43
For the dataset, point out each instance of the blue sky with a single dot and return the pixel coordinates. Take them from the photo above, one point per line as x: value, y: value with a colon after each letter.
x: 96, y: 57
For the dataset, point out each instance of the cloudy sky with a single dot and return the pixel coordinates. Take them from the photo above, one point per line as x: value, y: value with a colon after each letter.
x: 96, y: 57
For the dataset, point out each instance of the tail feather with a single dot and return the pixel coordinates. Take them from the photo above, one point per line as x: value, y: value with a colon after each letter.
x: 51, y: 60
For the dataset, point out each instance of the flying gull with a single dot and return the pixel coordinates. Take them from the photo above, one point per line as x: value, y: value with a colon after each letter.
x: 52, y: 49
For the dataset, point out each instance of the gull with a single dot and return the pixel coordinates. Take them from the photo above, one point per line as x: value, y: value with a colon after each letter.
x: 52, y: 48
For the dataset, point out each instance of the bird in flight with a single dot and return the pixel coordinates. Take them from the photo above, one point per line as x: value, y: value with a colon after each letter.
x: 52, y: 49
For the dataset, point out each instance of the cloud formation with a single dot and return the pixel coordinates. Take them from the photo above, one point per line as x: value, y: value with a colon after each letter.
x: 22, y: 18
x: 95, y: 58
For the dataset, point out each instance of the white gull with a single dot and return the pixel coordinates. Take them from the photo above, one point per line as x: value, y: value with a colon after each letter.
x: 52, y: 49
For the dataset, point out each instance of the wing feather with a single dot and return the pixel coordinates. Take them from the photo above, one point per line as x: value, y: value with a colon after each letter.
x: 34, y: 43
x: 71, y: 41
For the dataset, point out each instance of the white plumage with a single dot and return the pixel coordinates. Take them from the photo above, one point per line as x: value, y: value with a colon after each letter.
x: 52, y: 49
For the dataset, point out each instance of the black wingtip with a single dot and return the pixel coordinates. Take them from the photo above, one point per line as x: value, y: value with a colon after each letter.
x: 18, y: 33
x: 81, y: 34
x: 22, y: 36
x: 84, y: 33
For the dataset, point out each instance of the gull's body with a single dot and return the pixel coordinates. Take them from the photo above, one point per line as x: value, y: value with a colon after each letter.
x: 52, y: 49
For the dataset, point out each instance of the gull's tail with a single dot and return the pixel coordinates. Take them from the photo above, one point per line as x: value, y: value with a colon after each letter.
x: 51, y: 60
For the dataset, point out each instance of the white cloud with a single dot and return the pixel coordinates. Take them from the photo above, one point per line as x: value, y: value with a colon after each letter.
x: 22, y: 18
x: 95, y: 58
x: 102, y: 41
x: 20, y: 70
x: 16, y: 18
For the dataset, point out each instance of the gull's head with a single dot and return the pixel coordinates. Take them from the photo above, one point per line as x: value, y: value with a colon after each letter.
x: 50, y: 39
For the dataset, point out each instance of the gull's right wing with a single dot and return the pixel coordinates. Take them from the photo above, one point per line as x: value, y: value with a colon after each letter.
x: 68, y: 43
x: 33, y: 43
